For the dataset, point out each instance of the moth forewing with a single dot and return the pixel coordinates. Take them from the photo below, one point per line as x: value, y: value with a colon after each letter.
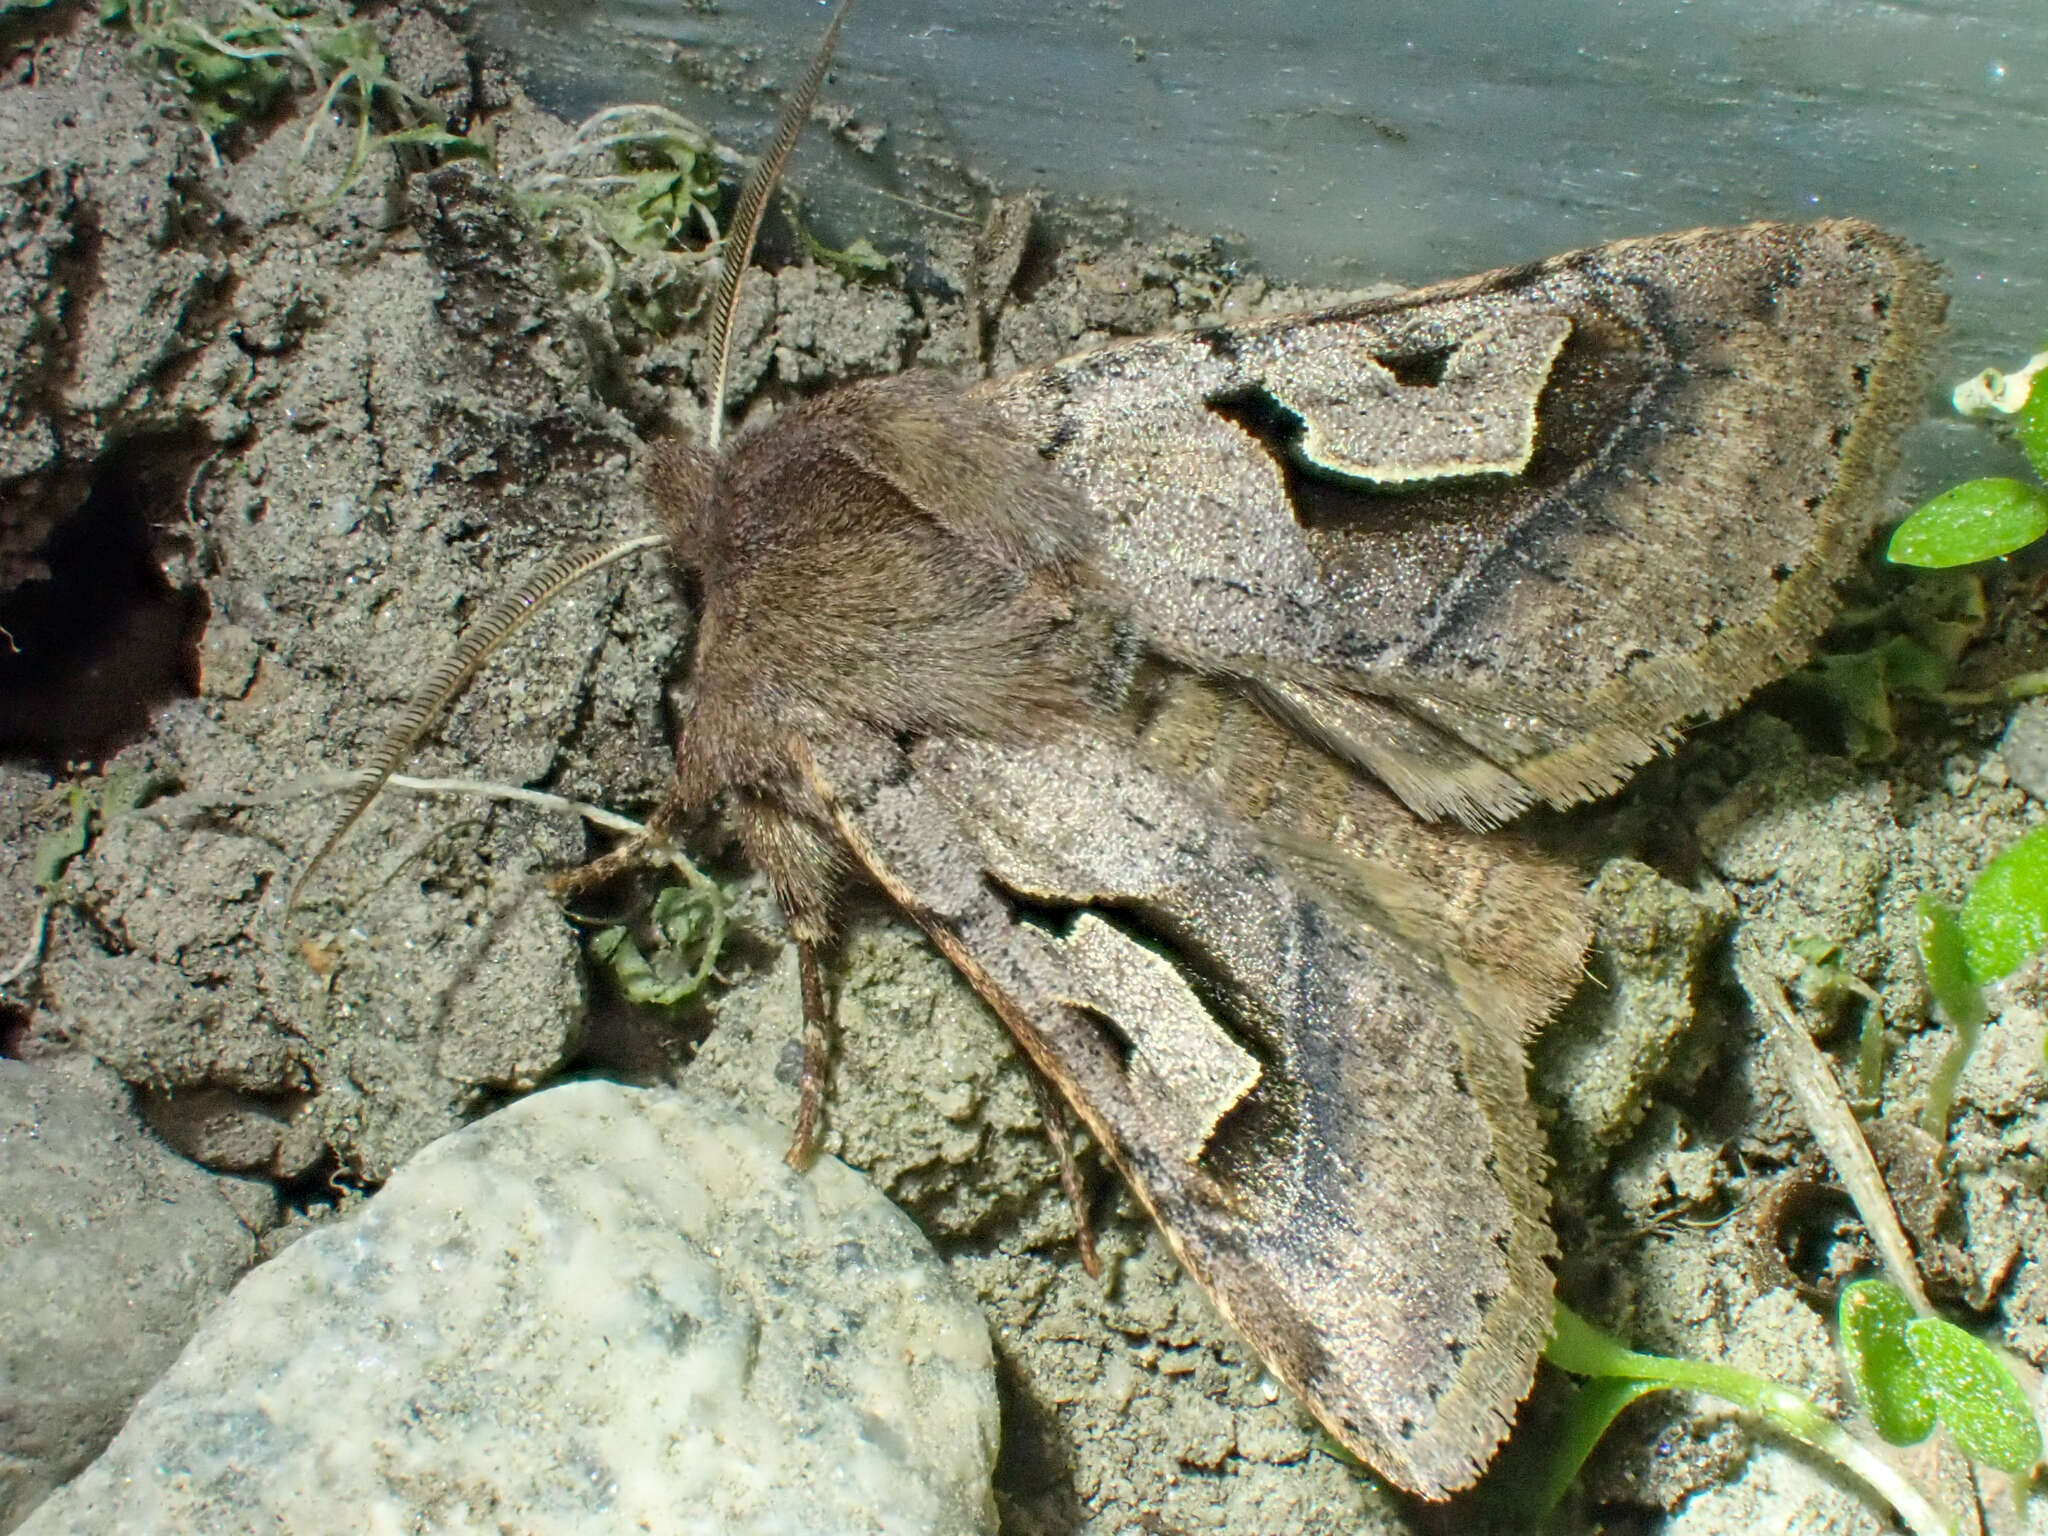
x: 1489, y: 588
x: 1329, y: 1124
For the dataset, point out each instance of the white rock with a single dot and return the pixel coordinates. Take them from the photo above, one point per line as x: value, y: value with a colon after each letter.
x: 600, y: 1310
x: 112, y: 1249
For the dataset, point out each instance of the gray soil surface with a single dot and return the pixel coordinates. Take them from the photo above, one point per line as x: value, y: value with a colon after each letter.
x: 347, y: 413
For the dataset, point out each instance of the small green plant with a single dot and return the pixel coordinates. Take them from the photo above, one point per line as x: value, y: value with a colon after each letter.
x: 59, y: 846
x: 1986, y: 519
x: 859, y: 262
x: 1822, y: 977
x: 2002, y: 922
x: 238, y: 71
x: 1919, y: 632
x: 629, y: 205
x: 1871, y: 1318
x: 1912, y: 1372
x: 687, y: 926
x: 1916, y: 637
x: 93, y: 808
x: 92, y: 811
x: 1909, y: 1373
x: 1617, y: 1375
x: 638, y: 183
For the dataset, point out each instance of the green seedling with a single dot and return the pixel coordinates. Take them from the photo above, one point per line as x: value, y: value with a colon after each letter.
x: 1989, y: 518
x: 1911, y: 1372
x: 638, y: 183
x: 2005, y: 916
x: 2002, y: 922
x: 1822, y: 978
x: 93, y: 809
x: 1977, y: 520
x: 1616, y: 1376
x: 688, y: 928
x: 241, y: 70
x: 229, y: 76
x: 859, y: 262
x: 629, y: 206
x: 1958, y: 999
x: 1918, y: 634
x: 1871, y: 1321
x: 57, y: 848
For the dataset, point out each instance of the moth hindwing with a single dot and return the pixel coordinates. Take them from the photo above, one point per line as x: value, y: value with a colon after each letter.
x: 1172, y: 690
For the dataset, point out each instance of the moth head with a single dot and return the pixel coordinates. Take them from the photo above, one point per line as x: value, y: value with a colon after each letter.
x: 681, y: 481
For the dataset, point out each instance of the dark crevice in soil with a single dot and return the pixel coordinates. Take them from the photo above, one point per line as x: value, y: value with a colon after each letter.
x: 15, y: 1020
x: 326, y: 1184
x: 90, y: 654
x: 1036, y: 1456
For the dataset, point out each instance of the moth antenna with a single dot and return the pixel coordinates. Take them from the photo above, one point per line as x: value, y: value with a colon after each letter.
x: 746, y: 223
x: 478, y: 642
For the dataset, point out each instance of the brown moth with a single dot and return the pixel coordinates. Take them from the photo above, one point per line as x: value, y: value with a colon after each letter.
x: 1172, y: 691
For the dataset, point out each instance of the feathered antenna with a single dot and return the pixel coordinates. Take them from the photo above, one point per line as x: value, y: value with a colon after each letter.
x: 478, y: 643
x: 746, y: 224
x: 505, y: 617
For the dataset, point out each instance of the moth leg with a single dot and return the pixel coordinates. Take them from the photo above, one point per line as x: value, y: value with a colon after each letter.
x: 1060, y: 1134
x: 810, y: 1088
x: 802, y: 864
x: 632, y: 851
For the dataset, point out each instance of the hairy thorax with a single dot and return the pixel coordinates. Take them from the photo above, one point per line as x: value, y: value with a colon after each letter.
x: 887, y: 561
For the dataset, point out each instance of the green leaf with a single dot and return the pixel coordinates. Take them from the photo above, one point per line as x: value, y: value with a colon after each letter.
x: 1860, y: 686
x: 688, y: 926
x: 2032, y: 426
x: 679, y: 915
x: 1976, y: 1396
x: 2005, y: 917
x: 614, y: 948
x: 1946, y: 613
x: 1872, y: 1318
x: 1944, y: 961
x: 1594, y: 1408
x: 859, y: 260
x: 1815, y: 950
x: 56, y: 849
x: 1977, y: 520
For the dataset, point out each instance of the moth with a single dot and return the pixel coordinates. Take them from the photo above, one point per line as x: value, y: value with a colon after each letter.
x: 1177, y: 691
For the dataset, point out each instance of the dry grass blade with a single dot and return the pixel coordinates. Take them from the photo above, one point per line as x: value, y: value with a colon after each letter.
x: 1820, y: 1097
